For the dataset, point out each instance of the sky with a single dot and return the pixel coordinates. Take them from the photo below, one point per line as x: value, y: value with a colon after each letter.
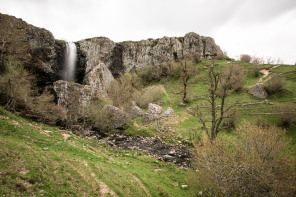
x: 261, y: 28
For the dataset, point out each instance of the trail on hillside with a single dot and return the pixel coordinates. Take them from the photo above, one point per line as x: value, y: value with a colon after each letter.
x: 266, y: 73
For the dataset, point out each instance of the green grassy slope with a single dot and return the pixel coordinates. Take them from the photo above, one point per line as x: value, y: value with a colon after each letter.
x: 184, y: 124
x: 37, y: 159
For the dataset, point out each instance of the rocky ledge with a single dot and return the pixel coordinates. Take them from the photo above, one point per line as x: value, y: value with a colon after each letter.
x: 124, y: 56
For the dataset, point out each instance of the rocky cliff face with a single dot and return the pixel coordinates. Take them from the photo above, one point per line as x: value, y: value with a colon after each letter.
x: 124, y: 56
x: 34, y: 47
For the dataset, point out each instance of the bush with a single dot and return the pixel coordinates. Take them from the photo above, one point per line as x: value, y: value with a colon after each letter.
x: 245, y: 58
x: 275, y: 84
x: 100, y: 116
x: 121, y: 90
x: 231, y: 119
x: 261, y: 122
x: 43, y: 109
x: 256, y: 70
x: 234, y: 73
x: 256, y: 164
x: 257, y: 60
x: 286, y: 113
x: 149, y: 96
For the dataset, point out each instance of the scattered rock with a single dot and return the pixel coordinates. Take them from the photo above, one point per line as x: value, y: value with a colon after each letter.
x: 154, y: 147
x: 118, y: 118
x: 45, y: 149
x: 200, y: 193
x: 258, y: 91
x: 135, y: 111
x: 168, y: 112
x: 184, y: 186
x: 153, y: 113
x: 157, y: 170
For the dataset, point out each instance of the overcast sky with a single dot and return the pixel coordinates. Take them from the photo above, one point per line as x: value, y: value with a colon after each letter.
x: 255, y: 27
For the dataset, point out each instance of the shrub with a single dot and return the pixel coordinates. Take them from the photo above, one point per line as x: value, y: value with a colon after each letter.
x: 100, y: 116
x: 245, y: 58
x: 231, y: 119
x: 256, y: 70
x: 120, y: 91
x: 275, y: 84
x: 43, y: 109
x: 286, y: 113
x: 261, y: 122
x: 234, y: 73
x: 150, y: 96
x: 253, y: 165
x: 257, y: 60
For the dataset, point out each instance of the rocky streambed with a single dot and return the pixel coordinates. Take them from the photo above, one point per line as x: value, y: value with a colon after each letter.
x: 154, y: 147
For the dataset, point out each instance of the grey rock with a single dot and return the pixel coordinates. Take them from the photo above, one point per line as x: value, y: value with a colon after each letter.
x: 125, y: 56
x: 156, y: 148
x: 168, y: 112
x: 33, y: 47
x: 118, y: 117
x: 135, y: 111
x: 153, y: 113
x: 99, y: 77
x: 76, y: 98
x: 258, y: 91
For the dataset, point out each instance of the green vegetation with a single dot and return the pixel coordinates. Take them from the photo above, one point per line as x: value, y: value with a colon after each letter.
x: 36, y: 159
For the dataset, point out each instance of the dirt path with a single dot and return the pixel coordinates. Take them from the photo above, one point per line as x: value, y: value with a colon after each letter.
x: 104, y: 190
x: 141, y: 184
x: 266, y: 73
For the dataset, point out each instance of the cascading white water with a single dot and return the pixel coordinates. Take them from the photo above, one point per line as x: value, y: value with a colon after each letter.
x: 70, y: 62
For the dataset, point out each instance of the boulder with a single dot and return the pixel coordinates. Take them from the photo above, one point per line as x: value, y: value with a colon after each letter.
x: 258, y: 91
x: 99, y: 77
x: 76, y: 98
x: 168, y: 112
x: 153, y: 113
x: 118, y: 118
x: 135, y: 111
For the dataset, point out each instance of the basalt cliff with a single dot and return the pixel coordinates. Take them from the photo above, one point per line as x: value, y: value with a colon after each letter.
x: 38, y: 50
x: 99, y: 60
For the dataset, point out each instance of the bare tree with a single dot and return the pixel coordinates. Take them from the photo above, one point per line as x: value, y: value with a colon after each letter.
x: 187, y: 72
x: 220, y: 87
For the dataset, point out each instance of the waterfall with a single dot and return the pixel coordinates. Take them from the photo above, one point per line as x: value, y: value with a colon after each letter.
x: 70, y: 62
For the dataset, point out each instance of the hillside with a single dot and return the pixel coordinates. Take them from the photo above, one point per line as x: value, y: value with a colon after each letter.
x: 39, y: 160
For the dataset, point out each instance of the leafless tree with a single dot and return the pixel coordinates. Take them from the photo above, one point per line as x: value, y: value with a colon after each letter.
x: 220, y: 87
x: 187, y: 72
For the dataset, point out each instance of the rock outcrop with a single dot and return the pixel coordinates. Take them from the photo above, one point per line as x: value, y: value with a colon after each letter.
x: 135, y: 111
x: 117, y: 117
x: 124, y: 56
x: 168, y: 112
x: 75, y: 98
x: 33, y: 47
x: 153, y: 113
x: 258, y: 91
x: 99, y: 77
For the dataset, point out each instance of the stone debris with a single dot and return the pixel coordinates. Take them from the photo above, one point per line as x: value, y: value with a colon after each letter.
x: 178, y: 155
x: 153, y: 113
x: 258, y: 91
